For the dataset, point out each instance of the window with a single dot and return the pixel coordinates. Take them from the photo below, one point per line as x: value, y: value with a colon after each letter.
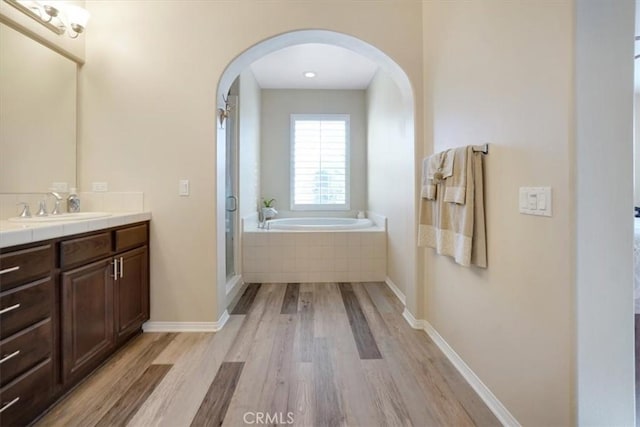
x: 319, y: 162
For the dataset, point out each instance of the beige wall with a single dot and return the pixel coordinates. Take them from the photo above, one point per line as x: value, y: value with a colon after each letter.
x: 389, y: 173
x: 249, y: 105
x: 275, y: 154
x: 148, y: 114
x: 501, y: 72
x: 37, y: 115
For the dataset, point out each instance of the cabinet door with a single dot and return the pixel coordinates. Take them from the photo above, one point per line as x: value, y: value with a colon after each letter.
x: 87, y: 318
x: 131, y: 292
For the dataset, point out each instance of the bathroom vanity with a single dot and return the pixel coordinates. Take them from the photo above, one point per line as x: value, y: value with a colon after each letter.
x: 66, y: 304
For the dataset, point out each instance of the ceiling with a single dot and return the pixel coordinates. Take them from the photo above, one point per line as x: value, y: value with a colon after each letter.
x: 335, y: 68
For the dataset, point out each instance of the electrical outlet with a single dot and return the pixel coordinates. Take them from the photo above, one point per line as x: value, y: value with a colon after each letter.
x: 60, y: 187
x: 99, y: 187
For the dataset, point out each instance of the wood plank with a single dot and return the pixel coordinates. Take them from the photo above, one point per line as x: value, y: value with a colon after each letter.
x: 93, y: 398
x: 180, y: 345
x: 280, y: 365
x: 215, y: 404
x: 266, y: 305
x: 366, y: 343
x: 176, y: 400
x: 303, y: 347
x: 355, y: 396
x: 259, y: 380
x: 388, y: 401
x: 246, y: 301
x: 327, y: 399
x: 301, y: 394
x: 397, y: 363
x: 290, y: 302
x: 383, y: 301
x: 129, y: 403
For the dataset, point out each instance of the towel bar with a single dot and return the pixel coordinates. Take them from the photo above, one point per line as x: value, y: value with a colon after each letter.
x: 484, y: 149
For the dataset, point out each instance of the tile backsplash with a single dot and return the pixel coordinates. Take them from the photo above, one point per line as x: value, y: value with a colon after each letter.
x: 89, y: 201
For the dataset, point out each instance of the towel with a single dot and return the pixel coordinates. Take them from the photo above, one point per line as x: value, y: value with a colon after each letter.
x: 435, y: 168
x: 458, y: 230
x: 456, y: 183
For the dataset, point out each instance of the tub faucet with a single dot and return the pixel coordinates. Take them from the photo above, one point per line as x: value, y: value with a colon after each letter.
x: 267, y: 214
x: 56, y: 208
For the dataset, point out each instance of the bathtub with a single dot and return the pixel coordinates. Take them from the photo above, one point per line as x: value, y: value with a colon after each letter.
x: 312, y: 249
x: 319, y: 224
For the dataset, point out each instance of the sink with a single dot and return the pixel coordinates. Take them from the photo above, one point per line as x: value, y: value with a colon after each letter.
x: 77, y: 216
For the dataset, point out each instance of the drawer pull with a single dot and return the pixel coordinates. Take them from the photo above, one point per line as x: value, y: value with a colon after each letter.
x: 10, y: 269
x: 9, y: 356
x: 8, y: 309
x: 9, y: 404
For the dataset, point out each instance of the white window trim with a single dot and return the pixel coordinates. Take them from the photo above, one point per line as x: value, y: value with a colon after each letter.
x: 347, y: 205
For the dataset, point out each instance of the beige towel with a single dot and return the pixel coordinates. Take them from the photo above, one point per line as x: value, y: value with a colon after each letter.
x: 458, y: 230
x: 435, y: 168
x: 455, y: 186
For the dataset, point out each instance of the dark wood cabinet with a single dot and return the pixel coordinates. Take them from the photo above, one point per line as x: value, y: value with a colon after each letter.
x: 87, y: 318
x: 66, y: 305
x: 131, y: 290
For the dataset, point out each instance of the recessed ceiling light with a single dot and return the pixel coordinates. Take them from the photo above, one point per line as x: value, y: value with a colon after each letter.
x: 309, y: 74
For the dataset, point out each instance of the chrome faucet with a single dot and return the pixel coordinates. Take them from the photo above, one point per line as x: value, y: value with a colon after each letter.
x: 42, y: 210
x: 56, y: 207
x: 26, y: 212
x: 267, y: 214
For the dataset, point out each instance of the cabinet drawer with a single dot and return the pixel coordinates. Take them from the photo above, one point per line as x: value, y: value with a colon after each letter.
x: 23, y: 266
x: 131, y: 237
x: 22, y: 351
x: 84, y: 249
x: 23, y: 306
x: 22, y: 400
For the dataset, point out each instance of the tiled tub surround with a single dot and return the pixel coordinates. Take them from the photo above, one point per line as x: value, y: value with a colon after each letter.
x: 273, y: 256
x: 13, y: 233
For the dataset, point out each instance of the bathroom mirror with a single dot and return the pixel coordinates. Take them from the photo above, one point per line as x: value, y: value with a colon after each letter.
x: 37, y: 115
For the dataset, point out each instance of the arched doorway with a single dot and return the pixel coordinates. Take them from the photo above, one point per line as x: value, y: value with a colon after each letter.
x: 225, y: 285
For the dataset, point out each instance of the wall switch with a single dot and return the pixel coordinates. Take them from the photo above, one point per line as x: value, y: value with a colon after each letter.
x: 60, y: 187
x: 99, y: 187
x: 183, y: 187
x: 535, y: 201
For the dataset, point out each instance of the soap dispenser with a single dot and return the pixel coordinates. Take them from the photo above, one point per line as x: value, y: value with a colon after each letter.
x: 73, y: 201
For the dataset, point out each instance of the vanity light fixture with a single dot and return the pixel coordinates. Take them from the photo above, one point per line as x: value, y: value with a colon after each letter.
x: 309, y: 74
x: 57, y: 15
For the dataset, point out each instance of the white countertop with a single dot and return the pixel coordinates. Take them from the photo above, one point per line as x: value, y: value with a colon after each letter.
x: 15, y: 233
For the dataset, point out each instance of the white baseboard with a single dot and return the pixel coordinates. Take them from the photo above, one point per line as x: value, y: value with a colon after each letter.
x: 498, y: 409
x: 398, y: 293
x: 186, y: 326
x: 233, y: 283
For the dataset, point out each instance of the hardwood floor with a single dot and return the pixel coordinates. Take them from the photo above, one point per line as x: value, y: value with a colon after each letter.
x: 291, y: 354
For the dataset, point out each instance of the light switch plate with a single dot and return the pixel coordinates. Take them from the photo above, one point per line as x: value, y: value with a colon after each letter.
x: 99, y: 187
x: 535, y: 201
x: 183, y: 187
